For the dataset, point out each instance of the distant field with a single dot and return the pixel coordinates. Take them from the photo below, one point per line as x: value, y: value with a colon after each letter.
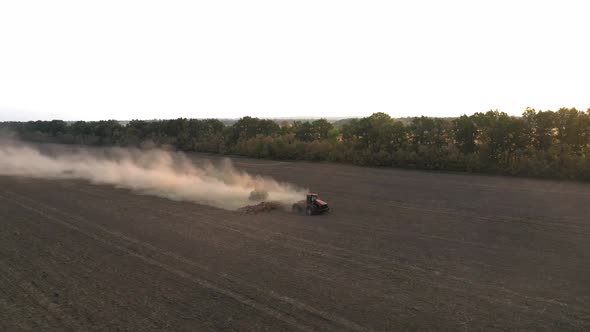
x: 402, y: 250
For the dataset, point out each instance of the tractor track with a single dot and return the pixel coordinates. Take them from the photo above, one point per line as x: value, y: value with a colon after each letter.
x: 148, y: 254
x: 497, y: 295
x: 372, y: 262
x: 402, y: 251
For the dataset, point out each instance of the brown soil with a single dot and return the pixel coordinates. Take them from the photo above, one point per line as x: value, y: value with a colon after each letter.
x: 401, y: 250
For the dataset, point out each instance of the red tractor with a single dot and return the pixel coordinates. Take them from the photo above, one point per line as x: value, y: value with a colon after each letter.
x: 311, y: 206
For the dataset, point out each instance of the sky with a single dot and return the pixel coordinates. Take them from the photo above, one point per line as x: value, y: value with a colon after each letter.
x: 92, y: 60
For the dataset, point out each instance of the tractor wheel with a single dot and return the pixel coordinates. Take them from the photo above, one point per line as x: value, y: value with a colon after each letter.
x: 309, y: 211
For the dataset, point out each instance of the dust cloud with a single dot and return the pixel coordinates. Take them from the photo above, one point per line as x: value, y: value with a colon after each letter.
x: 154, y: 172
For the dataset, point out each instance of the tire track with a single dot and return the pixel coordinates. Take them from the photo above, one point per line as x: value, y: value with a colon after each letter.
x: 430, y: 276
x: 343, y: 323
x: 41, y: 300
x: 72, y: 283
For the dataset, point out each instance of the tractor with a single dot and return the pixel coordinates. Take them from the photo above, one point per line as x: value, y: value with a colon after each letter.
x: 312, y: 205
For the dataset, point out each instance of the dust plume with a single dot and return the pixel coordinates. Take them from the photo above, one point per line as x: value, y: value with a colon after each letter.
x: 155, y: 172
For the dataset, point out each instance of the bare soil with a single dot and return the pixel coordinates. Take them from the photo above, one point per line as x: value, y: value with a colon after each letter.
x: 401, y: 250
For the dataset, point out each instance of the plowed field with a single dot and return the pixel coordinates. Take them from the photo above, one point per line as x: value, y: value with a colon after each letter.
x: 402, y: 250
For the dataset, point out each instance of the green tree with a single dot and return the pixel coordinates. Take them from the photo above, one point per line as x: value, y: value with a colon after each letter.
x: 426, y: 131
x: 320, y: 129
x: 465, y: 133
x: 541, y: 127
x: 572, y: 128
x: 305, y: 132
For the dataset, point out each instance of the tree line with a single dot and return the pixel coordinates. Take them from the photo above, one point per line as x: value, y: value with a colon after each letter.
x: 538, y: 143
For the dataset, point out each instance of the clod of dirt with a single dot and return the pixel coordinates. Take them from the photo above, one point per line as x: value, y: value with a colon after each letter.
x: 260, y: 207
x: 258, y: 195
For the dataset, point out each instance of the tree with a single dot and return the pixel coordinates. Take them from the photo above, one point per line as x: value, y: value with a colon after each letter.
x: 426, y: 131
x: 500, y: 134
x: 248, y: 127
x: 305, y: 132
x: 392, y: 136
x: 108, y: 131
x: 286, y: 128
x: 320, y: 129
x: 465, y: 133
x: 541, y: 128
x: 333, y: 135
x: 572, y: 128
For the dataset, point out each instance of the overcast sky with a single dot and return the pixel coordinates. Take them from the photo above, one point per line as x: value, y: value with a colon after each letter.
x: 143, y: 59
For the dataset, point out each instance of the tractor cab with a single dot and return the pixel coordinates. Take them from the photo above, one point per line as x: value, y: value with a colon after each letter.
x: 311, y: 198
